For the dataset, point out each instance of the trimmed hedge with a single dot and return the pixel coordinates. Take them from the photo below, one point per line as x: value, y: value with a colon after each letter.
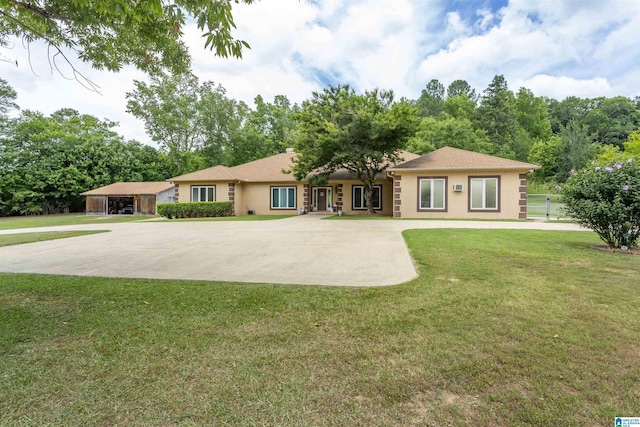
x: 194, y: 209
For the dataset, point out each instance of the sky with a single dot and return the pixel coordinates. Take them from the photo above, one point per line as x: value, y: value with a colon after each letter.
x: 555, y: 48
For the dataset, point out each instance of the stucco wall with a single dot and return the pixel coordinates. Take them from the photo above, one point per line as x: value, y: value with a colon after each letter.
x: 347, y: 197
x: 512, y: 195
x: 257, y: 197
x: 184, y: 190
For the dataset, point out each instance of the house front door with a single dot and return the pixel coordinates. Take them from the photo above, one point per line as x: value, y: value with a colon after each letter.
x: 322, y: 199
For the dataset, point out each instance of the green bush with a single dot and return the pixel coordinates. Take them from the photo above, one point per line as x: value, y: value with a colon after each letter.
x: 606, y: 199
x: 194, y: 209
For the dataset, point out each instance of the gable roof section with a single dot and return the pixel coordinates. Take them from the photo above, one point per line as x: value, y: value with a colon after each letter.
x: 129, y: 189
x: 215, y: 173
x: 269, y: 169
x: 449, y: 158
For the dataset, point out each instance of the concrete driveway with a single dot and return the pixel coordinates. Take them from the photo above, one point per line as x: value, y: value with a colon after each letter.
x: 297, y: 250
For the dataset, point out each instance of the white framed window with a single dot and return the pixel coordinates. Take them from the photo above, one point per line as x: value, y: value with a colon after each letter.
x: 484, y: 193
x: 358, y: 201
x: 432, y: 194
x: 204, y: 193
x: 283, y: 197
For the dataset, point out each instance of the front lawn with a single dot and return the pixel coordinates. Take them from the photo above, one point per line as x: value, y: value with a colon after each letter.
x: 501, y: 328
x: 14, y: 222
x: 20, y: 238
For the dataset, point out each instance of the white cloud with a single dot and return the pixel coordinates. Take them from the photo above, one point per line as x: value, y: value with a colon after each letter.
x: 559, y: 48
x: 576, y: 42
x: 485, y: 18
x: 559, y: 87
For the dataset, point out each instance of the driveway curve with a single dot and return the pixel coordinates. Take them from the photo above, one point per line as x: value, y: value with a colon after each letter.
x: 298, y: 250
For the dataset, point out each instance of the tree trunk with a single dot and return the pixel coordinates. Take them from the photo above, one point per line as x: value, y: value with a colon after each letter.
x: 368, y: 196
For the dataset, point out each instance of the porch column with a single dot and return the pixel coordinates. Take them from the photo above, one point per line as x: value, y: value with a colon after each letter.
x: 397, y: 201
x: 523, y: 196
x: 339, y: 201
x: 306, y: 206
x: 232, y: 198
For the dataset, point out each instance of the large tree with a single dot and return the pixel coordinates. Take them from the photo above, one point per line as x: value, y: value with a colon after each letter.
x: 611, y: 120
x: 559, y: 155
x: 169, y: 108
x: 8, y: 96
x: 112, y: 33
x: 268, y: 129
x: 192, y: 122
x: 449, y: 132
x: 461, y: 87
x: 431, y: 101
x: 497, y: 115
x: 364, y: 134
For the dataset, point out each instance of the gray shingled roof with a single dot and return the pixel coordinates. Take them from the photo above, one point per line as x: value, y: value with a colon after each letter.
x: 129, y: 189
x: 448, y: 158
x: 269, y: 169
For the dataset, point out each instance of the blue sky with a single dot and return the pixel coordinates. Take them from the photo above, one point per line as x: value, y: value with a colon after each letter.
x: 556, y: 48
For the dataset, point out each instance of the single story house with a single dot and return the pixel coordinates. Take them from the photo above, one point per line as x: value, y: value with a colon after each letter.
x: 264, y: 187
x: 447, y: 183
x: 140, y: 198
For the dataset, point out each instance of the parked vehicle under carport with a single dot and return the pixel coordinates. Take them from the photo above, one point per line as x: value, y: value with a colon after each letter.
x: 129, y: 198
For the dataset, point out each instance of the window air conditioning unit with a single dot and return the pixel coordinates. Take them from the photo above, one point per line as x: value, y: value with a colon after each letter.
x: 458, y: 187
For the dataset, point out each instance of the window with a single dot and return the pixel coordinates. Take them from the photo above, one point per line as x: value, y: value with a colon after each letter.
x: 203, y: 194
x: 484, y: 193
x: 358, y: 197
x: 283, y: 197
x: 432, y: 194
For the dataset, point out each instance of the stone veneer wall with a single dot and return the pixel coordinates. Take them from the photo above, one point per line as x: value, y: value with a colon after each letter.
x: 397, y: 201
x: 232, y: 198
x: 306, y: 206
x: 523, y: 196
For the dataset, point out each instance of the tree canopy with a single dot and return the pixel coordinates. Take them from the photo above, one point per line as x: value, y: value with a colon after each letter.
x: 197, y: 125
x: 109, y: 34
x: 46, y: 162
x: 364, y: 134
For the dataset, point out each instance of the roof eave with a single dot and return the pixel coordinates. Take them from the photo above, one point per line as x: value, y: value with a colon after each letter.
x: 483, y: 168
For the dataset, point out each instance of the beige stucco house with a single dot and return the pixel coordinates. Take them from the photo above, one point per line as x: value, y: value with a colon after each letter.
x: 447, y: 183
x: 454, y: 183
x: 263, y: 187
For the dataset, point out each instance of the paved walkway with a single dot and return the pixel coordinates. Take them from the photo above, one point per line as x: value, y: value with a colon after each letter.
x: 297, y: 250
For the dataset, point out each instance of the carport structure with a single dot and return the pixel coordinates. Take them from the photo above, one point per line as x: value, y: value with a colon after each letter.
x: 139, y: 198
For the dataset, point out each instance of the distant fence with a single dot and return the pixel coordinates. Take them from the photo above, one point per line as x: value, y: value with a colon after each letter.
x: 544, y: 206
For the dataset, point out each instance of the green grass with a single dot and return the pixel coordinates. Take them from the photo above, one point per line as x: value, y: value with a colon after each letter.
x: 12, y: 223
x: 501, y: 328
x: 232, y: 218
x: 20, y: 238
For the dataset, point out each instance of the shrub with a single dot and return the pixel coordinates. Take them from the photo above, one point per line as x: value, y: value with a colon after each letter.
x: 606, y: 199
x: 194, y: 209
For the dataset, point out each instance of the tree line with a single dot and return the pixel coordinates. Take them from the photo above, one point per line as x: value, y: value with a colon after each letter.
x: 560, y: 136
x: 46, y: 161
